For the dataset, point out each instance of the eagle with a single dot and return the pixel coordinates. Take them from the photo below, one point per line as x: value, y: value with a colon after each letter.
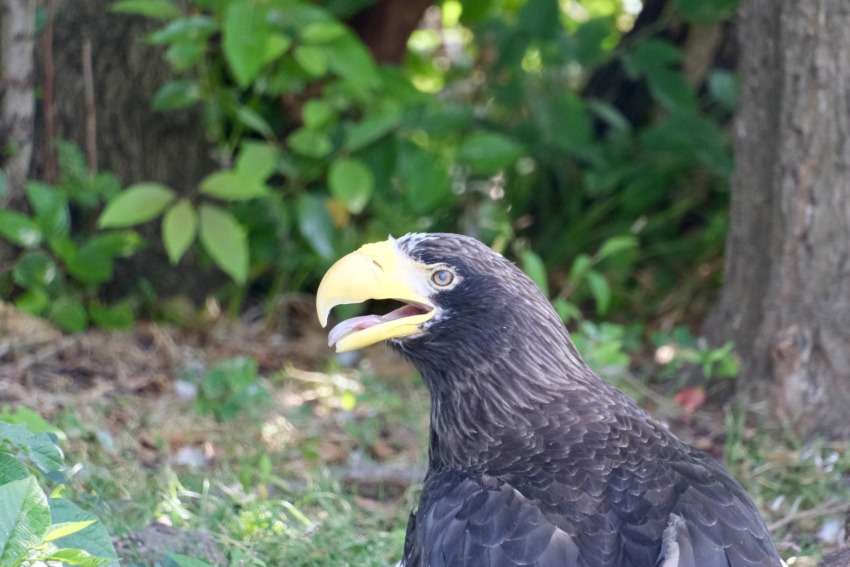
x: 533, y: 459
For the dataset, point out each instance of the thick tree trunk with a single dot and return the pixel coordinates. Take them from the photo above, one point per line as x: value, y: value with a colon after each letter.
x: 17, y: 101
x: 133, y: 141
x: 786, y: 299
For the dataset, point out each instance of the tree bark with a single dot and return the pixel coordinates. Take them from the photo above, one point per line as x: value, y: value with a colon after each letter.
x: 133, y: 141
x: 786, y: 298
x: 386, y: 26
x: 17, y: 101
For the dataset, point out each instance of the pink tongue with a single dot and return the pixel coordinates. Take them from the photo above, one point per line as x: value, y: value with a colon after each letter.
x: 352, y: 325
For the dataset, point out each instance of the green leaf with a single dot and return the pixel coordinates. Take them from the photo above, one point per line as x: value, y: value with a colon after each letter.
x: 706, y: 11
x: 566, y: 311
x: 68, y: 314
x: 255, y: 122
x: 233, y: 186
x: 93, y: 539
x: 65, y: 528
x: 352, y: 182
x: 176, y: 94
x: 160, y: 9
x: 194, y: 29
x: 533, y: 265
x: 186, y: 561
x: 424, y: 177
x: 38, y: 446
x: 11, y: 469
x: 19, y: 229
x: 276, y: 46
x: 317, y: 114
x: 616, y: 244
x: 50, y: 207
x: 566, y: 123
x: 311, y: 59
x: 257, y: 160
x: 488, y: 152
x: 373, y: 127
x: 75, y: 557
x: 600, y: 290
x: 35, y: 269
x: 136, y: 204
x: 349, y: 58
x: 119, y: 243
x: 581, y: 265
x: 315, y: 225
x: 540, y: 19
x: 224, y: 240
x: 245, y: 37
x: 322, y: 31
x: 119, y: 316
x: 723, y: 86
x: 24, y: 518
x: 182, y: 55
x: 310, y: 143
x: 179, y: 228
x: 34, y: 301
x: 4, y: 184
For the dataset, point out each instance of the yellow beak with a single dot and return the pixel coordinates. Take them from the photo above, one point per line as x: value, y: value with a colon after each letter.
x: 375, y: 271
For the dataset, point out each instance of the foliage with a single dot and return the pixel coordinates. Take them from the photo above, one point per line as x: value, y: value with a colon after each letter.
x: 62, y: 262
x: 230, y: 387
x: 325, y: 149
x: 35, y: 528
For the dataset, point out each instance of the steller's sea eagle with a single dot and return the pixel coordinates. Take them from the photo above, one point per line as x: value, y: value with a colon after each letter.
x: 533, y: 459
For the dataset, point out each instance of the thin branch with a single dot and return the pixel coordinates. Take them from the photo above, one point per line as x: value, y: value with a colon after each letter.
x: 51, y: 170
x: 825, y: 509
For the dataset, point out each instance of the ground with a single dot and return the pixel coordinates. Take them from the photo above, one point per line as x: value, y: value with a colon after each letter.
x: 180, y: 443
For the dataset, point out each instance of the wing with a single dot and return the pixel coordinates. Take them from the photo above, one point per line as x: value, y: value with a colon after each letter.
x: 474, y: 522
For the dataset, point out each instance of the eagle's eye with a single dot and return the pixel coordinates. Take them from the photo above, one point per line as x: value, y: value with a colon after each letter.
x: 442, y: 278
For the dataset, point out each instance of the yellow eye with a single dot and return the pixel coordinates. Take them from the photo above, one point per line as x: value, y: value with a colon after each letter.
x: 442, y: 278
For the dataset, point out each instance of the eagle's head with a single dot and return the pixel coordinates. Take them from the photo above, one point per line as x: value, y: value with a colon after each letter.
x: 465, y: 306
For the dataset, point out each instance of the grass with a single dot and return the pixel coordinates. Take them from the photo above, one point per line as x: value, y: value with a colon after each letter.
x: 274, y: 485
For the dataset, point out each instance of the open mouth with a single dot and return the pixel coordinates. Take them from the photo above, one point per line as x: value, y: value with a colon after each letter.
x: 417, y: 314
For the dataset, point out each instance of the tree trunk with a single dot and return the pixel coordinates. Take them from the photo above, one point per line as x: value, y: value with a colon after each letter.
x: 786, y: 299
x: 133, y: 141
x: 17, y: 101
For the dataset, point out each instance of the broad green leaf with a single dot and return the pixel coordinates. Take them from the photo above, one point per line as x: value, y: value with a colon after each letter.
x: 65, y: 528
x: 245, y: 37
x: 310, y: 143
x: 35, y: 269
x: 136, y: 204
x: 233, y: 186
x: 373, y: 127
x: 93, y: 539
x: 540, y: 19
x: 176, y: 94
x: 254, y: 121
x: 32, y: 421
x: 75, y: 557
x: 224, y: 240
x: 616, y: 244
x: 179, y: 228
x: 566, y: 123
x: 600, y: 290
x: 4, y: 184
x: 24, y: 518
x: 315, y: 225
x: 91, y: 265
x: 723, y: 86
x: 194, y: 29
x: 118, y: 243
x: 488, y: 152
x: 533, y: 265
x: 257, y: 160
x: 161, y: 9
x: 50, y: 206
x: 317, y: 114
x: 352, y: 182
x: 186, y: 561
x: 11, y: 469
x: 68, y: 314
x: 581, y: 265
x: 424, y: 177
x: 311, y: 59
x: 349, y: 58
x: 566, y: 311
x: 38, y: 446
x: 706, y: 11
x: 276, y: 46
x: 322, y: 32
x: 119, y: 316
x: 182, y: 55
x: 34, y: 301
x: 19, y: 229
